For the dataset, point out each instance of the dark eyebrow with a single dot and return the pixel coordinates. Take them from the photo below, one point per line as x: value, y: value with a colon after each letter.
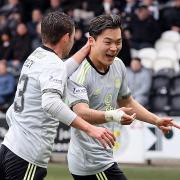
x: 106, y: 38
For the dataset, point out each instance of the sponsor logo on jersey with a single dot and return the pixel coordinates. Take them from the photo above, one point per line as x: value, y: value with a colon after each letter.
x: 52, y: 79
x: 79, y: 90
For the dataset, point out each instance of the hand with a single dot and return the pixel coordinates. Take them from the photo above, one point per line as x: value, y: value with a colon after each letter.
x: 120, y: 116
x: 175, y: 125
x: 86, y: 48
x: 165, y: 124
x: 82, y: 53
x: 103, y: 135
x: 127, y: 119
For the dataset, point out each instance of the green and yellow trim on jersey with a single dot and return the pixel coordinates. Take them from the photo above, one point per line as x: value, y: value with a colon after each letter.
x: 101, y: 176
x: 82, y: 73
x: 30, y: 172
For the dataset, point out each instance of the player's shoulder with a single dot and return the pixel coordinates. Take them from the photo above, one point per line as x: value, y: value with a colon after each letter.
x: 118, y: 60
x: 83, y: 67
x: 118, y: 64
x: 84, y: 64
x: 38, y: 53
x: 47, y: 59
x: 81, y: 73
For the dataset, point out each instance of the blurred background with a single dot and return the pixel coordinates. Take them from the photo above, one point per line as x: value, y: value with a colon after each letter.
x: 151, y: 53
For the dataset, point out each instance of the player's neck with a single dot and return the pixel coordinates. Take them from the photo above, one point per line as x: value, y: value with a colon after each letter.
x: 97, y: 63
x: 56, y: 50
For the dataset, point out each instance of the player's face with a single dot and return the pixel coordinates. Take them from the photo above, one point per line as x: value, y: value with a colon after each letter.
x: 68, y: 44
x: 107, y: 46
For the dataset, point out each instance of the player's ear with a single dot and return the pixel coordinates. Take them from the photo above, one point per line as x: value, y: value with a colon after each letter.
x: 66, y: 37
x: 91, y: 40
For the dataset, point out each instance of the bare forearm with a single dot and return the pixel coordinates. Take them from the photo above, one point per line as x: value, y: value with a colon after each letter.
x: 79, y: 123
x: 142, y: 114
x: 90, y: 115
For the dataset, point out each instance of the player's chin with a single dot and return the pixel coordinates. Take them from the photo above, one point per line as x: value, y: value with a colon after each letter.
x: 110, y: 59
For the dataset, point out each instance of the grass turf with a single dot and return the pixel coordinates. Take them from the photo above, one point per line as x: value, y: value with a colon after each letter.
x: 60, y: 172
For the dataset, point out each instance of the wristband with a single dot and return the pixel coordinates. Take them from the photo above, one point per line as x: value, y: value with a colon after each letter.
x: 114, y: 115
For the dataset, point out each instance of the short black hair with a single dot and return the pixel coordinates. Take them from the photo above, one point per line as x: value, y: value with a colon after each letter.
x: 54, y: 25
x: 100, y: 23
x: 137, y: 59
x: 142, y: 6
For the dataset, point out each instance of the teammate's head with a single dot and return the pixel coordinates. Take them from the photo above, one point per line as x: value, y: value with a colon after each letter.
x: 105, y: 38
x: 57, y: 26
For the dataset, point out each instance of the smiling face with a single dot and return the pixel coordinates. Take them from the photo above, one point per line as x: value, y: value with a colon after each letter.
x: 106, y: 46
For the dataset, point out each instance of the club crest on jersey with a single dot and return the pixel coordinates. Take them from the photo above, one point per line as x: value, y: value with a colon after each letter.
x: 79, y: 90
x: 52, y: 79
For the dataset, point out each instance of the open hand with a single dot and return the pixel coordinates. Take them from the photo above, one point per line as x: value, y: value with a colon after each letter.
x: 165, y: 124
x: 103, y: 135
x: 126, y: 118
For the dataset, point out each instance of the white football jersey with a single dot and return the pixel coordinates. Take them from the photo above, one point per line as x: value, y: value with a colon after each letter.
x: 31, y: 130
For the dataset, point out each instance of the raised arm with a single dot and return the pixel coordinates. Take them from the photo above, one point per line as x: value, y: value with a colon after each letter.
x: 73, y: 62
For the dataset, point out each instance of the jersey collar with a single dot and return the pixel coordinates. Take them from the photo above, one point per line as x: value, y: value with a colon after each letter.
x: 48, y: 49
x: 91, y: 63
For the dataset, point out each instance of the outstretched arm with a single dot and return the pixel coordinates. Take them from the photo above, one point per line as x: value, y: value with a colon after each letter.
x: 143, y: 114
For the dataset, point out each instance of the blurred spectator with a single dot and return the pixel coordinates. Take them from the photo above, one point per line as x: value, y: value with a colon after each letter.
x: 36, y: 42
x: 13, y: 21
x: 5, y: 45
x: 91, y: 6
x: 54, y: 5
x: 11, y: 7
x: 139, y: 81
x: 7, y: 84
x: 130, y: 7
x: 153, y: 7
x: 3, y: 24
x: 128, y: 11
x: 35, y: 19
x: 21, y: 47
x: 110, y: 7
x: 143, y: 28
x: 29, y: 5
x: 83, y: 12
x: 171, y: 17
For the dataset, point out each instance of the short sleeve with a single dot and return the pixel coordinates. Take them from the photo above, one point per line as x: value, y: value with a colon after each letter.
x: 76, y: 93
x: 53, y: 79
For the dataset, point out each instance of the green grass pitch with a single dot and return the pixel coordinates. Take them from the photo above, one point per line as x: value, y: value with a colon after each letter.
x: 60, y: 172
